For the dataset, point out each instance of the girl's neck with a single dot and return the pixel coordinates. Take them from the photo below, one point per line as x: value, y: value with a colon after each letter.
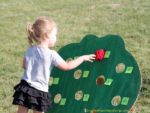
x: 43, y: 44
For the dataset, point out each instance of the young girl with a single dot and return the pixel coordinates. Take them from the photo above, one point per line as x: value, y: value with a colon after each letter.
x: 32, y: 91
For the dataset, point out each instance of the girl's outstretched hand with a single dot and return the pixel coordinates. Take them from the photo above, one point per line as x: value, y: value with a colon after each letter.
x: 89, y: 57
x: 74, y: 63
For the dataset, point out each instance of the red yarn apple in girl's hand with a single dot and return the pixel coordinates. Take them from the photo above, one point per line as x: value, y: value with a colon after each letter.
x: 100, y: 54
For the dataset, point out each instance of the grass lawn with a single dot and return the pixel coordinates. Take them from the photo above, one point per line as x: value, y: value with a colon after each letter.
x: 75, y: 19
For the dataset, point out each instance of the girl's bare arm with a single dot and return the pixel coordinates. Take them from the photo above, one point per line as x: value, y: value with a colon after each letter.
x: 74, y: 63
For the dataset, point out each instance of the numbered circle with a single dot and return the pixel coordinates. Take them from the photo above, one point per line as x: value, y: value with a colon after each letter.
x: 51, y: 81
x: 100, y: 80
x: 120, y: 68
x: 57, y: 98
x: 69, y: 59
x: 116, y: 101
x: 77, y: 74
x: 93, y: 111
x: 79, y: 95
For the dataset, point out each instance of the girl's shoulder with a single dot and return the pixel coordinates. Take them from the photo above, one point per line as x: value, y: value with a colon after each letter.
x: 34, y: 49
x: 28, y: 50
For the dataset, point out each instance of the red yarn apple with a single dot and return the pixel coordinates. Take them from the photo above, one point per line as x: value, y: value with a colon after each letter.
x: 100, y: 54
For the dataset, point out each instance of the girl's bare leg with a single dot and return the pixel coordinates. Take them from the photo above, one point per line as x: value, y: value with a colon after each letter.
x: 22, y: 109
x: 37, y: 112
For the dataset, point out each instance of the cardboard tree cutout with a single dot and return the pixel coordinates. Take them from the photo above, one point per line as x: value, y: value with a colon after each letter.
x: 109, y: 84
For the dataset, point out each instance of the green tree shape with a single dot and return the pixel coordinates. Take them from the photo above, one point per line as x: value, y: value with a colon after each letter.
x: 110, y: 85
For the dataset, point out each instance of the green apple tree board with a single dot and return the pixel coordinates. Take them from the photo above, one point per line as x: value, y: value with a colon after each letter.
x: 110, y: 85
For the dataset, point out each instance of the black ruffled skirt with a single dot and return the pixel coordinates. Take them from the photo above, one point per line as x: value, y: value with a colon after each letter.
x: 31, y: 98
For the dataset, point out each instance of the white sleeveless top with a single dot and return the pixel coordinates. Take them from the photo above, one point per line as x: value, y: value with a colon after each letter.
x: 39, y: 63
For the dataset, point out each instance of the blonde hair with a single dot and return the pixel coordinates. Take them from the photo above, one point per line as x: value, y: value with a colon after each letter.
x: 41, y: 26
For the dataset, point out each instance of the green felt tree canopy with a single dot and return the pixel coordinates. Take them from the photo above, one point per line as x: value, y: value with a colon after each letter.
x: 110, y: 85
